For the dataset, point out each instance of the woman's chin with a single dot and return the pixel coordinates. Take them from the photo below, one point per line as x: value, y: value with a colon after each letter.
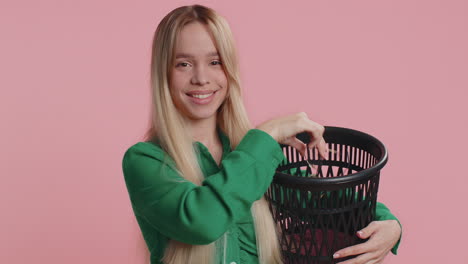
x: 202, y: 116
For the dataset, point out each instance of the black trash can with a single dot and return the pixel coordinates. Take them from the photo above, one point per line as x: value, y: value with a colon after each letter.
x: 318, y: 204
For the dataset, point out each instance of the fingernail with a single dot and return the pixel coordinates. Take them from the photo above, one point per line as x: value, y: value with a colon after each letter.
x: 360, y: 233
x: 336, y: 255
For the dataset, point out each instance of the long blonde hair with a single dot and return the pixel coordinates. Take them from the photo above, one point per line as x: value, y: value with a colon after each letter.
x: 167, y: 125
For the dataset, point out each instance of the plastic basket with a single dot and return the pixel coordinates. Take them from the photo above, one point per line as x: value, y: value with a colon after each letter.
x: 318, y: 204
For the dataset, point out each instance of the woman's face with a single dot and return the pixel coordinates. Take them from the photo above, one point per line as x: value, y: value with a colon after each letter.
x: 198, y: 83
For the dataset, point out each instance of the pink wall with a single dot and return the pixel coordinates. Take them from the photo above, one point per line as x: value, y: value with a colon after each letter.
x: 74, y: 96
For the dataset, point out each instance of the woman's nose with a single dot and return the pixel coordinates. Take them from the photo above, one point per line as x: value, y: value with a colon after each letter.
x: 200, y: 76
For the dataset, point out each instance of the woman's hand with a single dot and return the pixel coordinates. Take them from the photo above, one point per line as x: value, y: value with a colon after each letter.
x: 284, y: 130
x: 383, y: 236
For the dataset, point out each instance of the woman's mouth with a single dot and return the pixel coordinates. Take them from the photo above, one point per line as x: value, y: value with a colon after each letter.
x: 201, y: 96
x: 201, y: 99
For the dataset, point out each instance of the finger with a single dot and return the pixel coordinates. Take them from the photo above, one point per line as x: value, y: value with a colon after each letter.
x: 323, y: 149
x: 368, y: 230
x: 316, y: 135
x: 361, y: 259
x: 352, y: 250
x: 297, y: 144
x: 316, y: 131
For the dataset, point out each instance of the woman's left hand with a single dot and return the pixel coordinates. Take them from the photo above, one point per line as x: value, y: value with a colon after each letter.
x: 383, y: 236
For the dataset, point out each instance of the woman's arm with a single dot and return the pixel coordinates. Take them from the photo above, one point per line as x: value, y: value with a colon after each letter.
x: 382, y: 213
x: 193, y: 214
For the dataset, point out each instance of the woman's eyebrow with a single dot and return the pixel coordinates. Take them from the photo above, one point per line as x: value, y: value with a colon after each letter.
x: 186, y: 55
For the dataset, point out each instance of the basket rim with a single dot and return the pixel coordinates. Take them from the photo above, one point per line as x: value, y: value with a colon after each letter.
x: 354, y: 177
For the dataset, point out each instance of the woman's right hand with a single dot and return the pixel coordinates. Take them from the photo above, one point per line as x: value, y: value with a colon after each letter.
x: 284, y: 130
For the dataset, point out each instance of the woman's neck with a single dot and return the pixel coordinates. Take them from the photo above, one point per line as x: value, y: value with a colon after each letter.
x: 205, y: 131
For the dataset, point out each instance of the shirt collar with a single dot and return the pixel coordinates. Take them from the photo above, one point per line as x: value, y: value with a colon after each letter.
x: 222, y: 136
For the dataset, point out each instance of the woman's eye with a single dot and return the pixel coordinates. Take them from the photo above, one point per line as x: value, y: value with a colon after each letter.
x: 182, y: 63
x: 185, y: 64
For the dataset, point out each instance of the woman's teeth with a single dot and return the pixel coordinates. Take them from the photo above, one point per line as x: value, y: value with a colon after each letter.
x: 201, y: 96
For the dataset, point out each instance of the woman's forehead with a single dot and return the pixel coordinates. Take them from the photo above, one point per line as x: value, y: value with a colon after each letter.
x: 195, y: 40
x: 186, y: 55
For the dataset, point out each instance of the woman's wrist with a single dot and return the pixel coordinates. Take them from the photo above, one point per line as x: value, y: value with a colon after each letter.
x: 268, y: 129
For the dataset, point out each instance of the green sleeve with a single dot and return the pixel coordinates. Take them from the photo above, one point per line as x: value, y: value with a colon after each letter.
x: 193, y: 214
x: 383, y: 213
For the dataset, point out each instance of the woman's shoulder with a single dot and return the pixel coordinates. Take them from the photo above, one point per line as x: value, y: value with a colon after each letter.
x: 150, y: 145
x: 142, y: 161
x: 145, y: 148
x: 146, y: 155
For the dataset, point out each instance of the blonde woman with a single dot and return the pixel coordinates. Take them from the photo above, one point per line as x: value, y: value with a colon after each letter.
x: 196, y: 183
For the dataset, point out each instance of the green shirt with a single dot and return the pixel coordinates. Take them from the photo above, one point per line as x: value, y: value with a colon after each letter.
x: 168, y: 206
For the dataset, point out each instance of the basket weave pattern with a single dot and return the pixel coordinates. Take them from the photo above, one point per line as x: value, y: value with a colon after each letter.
x: 318, y: 204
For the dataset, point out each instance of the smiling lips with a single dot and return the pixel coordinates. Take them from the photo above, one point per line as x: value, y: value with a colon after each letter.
x: 201, y: 92
x: 201, y: 97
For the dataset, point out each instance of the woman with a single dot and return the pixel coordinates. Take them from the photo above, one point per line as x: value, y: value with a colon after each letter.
x: 197, y: 181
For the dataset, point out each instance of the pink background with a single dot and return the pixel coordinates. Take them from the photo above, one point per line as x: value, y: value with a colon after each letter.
x: 74, y: 96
